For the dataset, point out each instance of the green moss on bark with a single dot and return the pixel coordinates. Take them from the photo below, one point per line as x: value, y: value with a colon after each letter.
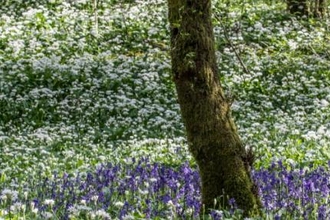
x: 211, y: 132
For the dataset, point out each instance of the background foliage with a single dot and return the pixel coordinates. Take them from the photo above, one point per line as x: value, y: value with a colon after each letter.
x: 83, y: 83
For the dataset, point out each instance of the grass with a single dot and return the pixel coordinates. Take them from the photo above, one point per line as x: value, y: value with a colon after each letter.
x: 81, y: 99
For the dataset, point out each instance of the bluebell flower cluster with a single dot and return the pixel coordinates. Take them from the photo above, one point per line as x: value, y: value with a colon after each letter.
x: 151, y: 190
x: 297, y: 191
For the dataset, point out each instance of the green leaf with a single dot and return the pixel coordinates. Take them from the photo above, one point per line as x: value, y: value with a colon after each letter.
x: 3, y: 177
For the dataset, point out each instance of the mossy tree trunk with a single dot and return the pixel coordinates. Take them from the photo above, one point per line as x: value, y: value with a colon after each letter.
x: 211, y: 132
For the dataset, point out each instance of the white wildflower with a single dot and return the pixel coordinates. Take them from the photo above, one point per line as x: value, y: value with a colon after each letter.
x: 119, y: 204
x: 103, y: 214
x: 292, y: 44
x: 143, y: 192
x: 324, y: 103
x: 47, y: 215
x: 128, y: 217
x: 258, y: 26
x: 49, y: 202
x: 95, y: 198
x: 8, y: 194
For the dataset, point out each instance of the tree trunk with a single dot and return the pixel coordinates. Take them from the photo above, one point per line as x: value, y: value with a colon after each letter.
x: 315, y: 8
x: 319, y: 8
x: 298, y: 7
x: 211, y: 133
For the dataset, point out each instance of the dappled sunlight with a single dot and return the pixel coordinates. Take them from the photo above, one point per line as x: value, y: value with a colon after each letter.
x: 90, y: 125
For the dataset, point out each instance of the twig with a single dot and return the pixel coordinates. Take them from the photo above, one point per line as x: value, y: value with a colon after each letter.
x: 246, y: 70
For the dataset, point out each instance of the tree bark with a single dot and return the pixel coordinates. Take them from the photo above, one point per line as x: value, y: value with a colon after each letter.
x: 319, y: 8
x: 211, y: 133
